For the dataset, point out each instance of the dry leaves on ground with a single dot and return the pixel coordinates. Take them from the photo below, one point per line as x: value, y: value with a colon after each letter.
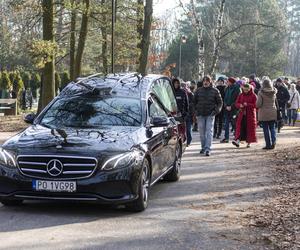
x: 279, y: 215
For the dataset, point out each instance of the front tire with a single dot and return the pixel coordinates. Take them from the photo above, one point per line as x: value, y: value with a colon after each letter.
x: 141, y: 203
x: 174, y: 173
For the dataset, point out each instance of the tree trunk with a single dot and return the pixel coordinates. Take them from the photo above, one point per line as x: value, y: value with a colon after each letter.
x: 60, y: 24
x: 48, y: 86
x: 217, y: 37
x: 145, y: 44
x: 104, y: 41
x: 140, y: 24
x: 200, y: 43
x: 72, y: 40
x: 82, y: 39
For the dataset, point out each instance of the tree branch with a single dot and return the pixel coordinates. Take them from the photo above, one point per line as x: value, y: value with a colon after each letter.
x: 243, y: 25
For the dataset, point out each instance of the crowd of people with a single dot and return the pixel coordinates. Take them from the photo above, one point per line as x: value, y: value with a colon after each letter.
x: 237, y: 105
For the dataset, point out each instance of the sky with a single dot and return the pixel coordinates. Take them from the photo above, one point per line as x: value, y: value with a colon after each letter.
x: 161, y: 6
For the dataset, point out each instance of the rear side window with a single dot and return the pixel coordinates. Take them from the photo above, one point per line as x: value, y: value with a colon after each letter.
x: 163, y: 90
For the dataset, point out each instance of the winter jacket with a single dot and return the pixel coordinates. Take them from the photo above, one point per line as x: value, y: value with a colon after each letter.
x: 294, y: 97
x: 182, y: 101
x: 231, y: 94
x: 266, y: 104
x: 250, y: 112
x: 221, y: 89
x: 191, y: 110
x: 283, y: 96
x: 207, y: 101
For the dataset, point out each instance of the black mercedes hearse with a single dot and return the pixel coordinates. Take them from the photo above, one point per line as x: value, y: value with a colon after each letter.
x: 103, y: 139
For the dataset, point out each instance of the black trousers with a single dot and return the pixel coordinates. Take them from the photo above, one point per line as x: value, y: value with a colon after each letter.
x: 218, y: 126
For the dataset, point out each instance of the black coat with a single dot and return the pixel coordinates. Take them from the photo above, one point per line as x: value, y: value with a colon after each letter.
x: 282, y: 96
x: 191, y: 110
x: 207, y: 101
x: 182, y: 101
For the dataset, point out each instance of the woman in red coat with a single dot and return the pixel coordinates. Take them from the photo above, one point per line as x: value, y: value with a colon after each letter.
x: 246, y: 120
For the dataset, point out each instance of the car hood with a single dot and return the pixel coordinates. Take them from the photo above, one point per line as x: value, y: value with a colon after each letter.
x: 40, y: 139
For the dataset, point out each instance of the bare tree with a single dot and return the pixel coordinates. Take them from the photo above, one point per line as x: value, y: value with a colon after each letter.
x: 145, y: 43
x: 82, y: 38
x: 73, y: 40
x: 217, y: 37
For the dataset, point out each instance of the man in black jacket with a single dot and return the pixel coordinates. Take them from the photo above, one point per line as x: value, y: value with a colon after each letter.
x: 182, y: 105
x: 181, y: 98
x: 207, y: 103
x: 283, y: 97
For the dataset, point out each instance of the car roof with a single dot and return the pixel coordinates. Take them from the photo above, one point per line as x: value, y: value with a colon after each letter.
x: 130, y: 85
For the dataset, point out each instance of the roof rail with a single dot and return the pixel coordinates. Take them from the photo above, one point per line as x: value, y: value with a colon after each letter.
x: 88, y: 77
x: 120, y: 81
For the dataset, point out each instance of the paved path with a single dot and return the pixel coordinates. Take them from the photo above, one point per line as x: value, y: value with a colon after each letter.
x: 201, y: 211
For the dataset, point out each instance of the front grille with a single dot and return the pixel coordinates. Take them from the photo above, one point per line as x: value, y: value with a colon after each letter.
x: 61, y: 167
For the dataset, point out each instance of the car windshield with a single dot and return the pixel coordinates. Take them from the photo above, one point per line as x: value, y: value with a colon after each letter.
x: 83, y: 112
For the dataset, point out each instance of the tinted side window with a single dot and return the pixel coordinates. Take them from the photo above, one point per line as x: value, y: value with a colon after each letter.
x: 162, y: 88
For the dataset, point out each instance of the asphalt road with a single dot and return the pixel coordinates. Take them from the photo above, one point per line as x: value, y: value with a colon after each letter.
x: 204, y: 210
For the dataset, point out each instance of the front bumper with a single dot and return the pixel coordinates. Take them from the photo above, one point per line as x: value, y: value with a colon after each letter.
x: 106, y: 187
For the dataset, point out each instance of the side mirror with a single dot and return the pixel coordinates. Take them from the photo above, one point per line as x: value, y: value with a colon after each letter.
x: 29, y: 118
x: 159, y: 121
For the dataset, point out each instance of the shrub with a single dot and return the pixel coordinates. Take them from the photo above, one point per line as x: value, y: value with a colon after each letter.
x: 5, y: 82
x: 18, y: 84
x: 26, y: 77
x: 35, y: 83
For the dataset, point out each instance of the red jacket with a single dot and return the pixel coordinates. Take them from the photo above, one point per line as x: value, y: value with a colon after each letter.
x: 250, y: 111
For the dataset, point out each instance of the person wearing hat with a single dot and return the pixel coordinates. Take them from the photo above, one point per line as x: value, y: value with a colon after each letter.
x: 232, y: 92
x: 182, y: 104
x: 283, y: 97
x: 218, y: 126
x: 267, y: 112
x: 246, y: 120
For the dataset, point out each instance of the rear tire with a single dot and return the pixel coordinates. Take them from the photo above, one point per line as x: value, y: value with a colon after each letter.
x: 174, y: 173
x: 11, y: 203
x: 141, y: 203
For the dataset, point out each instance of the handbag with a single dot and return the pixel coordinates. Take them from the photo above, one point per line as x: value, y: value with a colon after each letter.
x: 289, y: 104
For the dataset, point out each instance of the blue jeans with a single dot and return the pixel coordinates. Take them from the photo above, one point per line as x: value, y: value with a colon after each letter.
x: 206, y: 129
x: 269, y: 129
x: 292, y: 116
x: 189, y: 124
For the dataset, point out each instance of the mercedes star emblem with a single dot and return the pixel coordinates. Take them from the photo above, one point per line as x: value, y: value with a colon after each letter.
x: 55, y: 167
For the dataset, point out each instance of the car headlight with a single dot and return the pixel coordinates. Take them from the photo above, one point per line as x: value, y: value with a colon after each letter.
x: 7, y: 158
x: 121, y: 161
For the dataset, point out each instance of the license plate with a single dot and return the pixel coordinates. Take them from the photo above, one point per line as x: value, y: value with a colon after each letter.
x: 54, y: 186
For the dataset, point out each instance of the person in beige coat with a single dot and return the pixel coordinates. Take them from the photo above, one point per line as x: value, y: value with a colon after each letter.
x: 267, y: 112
